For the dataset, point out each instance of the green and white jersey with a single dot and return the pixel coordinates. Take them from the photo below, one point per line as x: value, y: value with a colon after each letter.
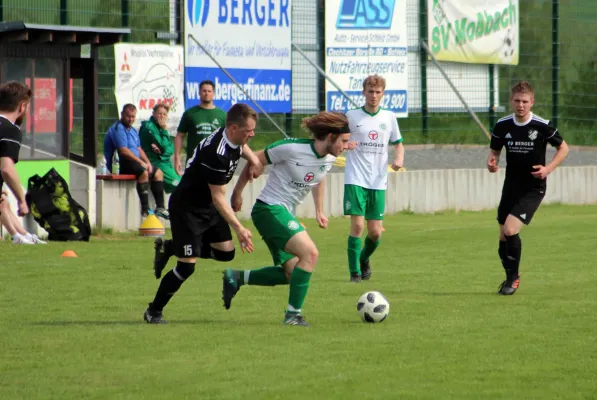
x: 297, y: 168
x: 367, y: 164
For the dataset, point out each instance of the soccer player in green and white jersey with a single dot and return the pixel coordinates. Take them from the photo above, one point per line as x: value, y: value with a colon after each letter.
x: 366, y: 176
x: 299, y: 166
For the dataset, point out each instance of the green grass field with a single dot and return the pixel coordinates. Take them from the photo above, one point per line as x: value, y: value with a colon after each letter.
x: 73, y: 329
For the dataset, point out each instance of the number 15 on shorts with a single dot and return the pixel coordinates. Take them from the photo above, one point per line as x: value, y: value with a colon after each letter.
x: 188, y: 249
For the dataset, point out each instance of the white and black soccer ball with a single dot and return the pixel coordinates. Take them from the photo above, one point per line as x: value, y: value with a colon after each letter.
x: 373, y: 307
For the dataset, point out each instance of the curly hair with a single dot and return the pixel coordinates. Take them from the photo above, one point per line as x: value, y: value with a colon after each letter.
x: 324, y: 123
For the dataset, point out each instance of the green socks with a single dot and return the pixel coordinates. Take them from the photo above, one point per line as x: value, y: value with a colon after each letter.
x: 268, y: 276
x: 368, y: 249
x: 354, y: 250
x: 299, y: 285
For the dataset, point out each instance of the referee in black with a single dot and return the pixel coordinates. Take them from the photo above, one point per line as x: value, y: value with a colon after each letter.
x: 14, y: 102
x: 525, y: 137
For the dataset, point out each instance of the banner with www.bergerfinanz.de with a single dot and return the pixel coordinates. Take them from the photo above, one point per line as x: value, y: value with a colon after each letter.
x: 251, y: 39
x: 475, y: 31
x: 366, y: 37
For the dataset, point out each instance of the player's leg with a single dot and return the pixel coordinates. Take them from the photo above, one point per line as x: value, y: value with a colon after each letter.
x: 171, y: 178
x: 132, y: 167
x: 16, y: 231
x: 22, y: 235
x: 507, y: 202
x: 157, y: 189
x: 276, y: 226
x: 305, y: 250
x: 521, y: 214
x: 187, y: 232
x: 354, y: 205
x: 164, y: 249
x: 374, y: 213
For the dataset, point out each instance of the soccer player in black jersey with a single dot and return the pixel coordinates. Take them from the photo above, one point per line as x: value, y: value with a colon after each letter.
x: 14, y: 102
x: 525, y: 137
x: 200, y: 214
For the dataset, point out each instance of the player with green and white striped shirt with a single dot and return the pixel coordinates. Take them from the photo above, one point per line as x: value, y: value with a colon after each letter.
x: 372, y: 130
x: 299, y: 167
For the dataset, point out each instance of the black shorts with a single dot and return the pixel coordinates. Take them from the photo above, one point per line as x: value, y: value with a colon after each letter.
x: 132, y: 167
x: 193, y: 231
x: 520, y: 203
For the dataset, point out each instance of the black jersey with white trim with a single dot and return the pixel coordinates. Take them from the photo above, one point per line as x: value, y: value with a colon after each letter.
x: 526, y: 144
x: 214, y: 162
x: 10, y: 141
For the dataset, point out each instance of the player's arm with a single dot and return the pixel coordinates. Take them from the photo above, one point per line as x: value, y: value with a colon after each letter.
x: 178, y: 141
x: 318, y: 192
x: 561, y: 146
x: 495, y: 148
x: 218, y: 196
x: 398, y: 156
x: 10, y: 176
x: 396, y: 140
x: 120, y: 142
x: 256, y: 163
x: 245, y: 177
x: 144, y: 158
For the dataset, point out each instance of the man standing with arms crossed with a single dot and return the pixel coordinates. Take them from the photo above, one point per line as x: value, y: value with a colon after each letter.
x: 198, y: 122
x: 366, y: 174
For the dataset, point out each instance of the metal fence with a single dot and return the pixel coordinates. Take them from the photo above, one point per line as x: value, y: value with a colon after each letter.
x: 556, y: 46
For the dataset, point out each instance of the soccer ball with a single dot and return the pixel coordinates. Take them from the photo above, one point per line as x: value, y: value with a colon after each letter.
x: 373, y: 307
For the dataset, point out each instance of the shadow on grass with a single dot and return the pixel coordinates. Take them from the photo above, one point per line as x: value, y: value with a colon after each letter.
x: 141, y: 322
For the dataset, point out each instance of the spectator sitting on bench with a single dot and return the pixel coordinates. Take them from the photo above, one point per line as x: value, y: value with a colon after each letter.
x: 158, y: 145
x: 123, y: 137
x: 12, y: 224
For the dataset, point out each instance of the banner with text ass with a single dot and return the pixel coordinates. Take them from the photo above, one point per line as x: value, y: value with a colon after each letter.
x: 475, y: 31
x: 251, y: 39
x: 366, y: 37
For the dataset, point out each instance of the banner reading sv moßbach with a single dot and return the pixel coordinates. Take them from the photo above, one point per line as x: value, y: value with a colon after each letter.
x: 474, y: 31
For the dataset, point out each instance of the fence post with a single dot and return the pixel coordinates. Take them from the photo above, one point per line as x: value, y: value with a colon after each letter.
x: 423, y: 58
x: 63, y: 12
x: 321, y: 53
x: 555, y: 62
x: 491, y: 96
x: 124, y: 10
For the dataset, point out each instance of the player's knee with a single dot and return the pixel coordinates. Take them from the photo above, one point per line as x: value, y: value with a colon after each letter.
x: 158, y: 175
x: 375, y: 234
x: 184, y: 270
x: 144, y: 177
x: 309, y: 258
x: 220, y: 255
x: 510, y: 230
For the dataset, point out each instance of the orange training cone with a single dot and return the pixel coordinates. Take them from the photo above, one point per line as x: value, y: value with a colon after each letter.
x: 69, y: 253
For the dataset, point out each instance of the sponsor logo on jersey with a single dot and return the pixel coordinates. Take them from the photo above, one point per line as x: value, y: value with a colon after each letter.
x: 508, y: 136
x: 533, y: 134
x: 309, y: 177
x: 373, y: 135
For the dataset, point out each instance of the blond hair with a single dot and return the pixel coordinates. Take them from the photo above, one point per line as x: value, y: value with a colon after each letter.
x: 374, y: 81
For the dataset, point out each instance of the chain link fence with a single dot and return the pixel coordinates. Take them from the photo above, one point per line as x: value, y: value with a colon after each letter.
x: 556, y: 55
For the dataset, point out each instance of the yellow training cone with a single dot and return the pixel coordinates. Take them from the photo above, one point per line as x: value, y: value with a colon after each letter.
x: 152, y: 226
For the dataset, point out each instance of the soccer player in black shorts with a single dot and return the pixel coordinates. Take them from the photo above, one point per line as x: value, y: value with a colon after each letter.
x: 200, y: 214
x: 525, y: 137
x: 14, y: 102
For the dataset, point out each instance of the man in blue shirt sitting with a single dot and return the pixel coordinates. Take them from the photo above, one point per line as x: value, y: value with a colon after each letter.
x: 122, y: 137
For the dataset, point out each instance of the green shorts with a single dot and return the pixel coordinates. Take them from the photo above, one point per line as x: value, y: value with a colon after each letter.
x: 370, y: 203
x: 276, y: 226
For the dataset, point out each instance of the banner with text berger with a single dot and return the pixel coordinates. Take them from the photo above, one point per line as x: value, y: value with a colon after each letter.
x: 148, y: 74
x: 366, y: 37
x: 251, y: 39
x: 475, y: 31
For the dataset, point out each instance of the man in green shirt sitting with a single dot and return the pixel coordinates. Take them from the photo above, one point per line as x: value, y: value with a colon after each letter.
x: 198, y: 122
x: 158, y: 145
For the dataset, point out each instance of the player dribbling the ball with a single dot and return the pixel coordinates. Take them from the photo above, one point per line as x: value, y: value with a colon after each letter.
x: 299, y: 167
